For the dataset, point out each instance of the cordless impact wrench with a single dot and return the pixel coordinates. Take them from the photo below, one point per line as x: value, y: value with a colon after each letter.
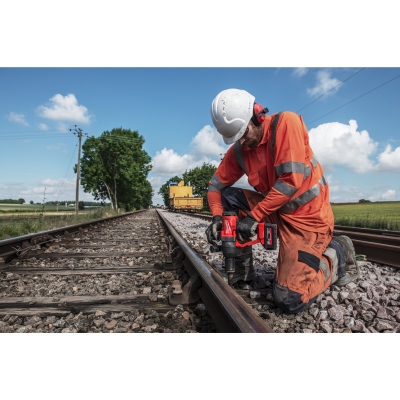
x: 266, y: 235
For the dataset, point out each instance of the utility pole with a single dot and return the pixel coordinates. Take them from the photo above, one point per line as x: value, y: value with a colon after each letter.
x: 78, y: 132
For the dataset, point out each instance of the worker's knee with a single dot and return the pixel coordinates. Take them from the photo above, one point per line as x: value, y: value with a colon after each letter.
x: 288, y: 300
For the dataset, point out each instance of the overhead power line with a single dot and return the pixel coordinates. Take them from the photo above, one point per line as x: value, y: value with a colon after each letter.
x: 324, y: 94
x: 351, y: 101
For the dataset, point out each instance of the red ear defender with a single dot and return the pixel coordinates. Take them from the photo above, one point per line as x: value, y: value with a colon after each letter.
x: 258, y: 114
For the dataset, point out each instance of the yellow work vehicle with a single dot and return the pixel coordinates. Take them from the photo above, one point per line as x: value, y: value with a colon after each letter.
x: 181, y: 198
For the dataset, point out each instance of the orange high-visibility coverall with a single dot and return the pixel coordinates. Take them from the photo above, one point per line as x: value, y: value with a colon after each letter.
x: 292, y: 192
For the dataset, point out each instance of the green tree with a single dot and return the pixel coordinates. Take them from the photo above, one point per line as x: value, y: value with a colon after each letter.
x: 164, y: 189
x: 199, y: 178
x: 115, y: 167
x: 21, y: 201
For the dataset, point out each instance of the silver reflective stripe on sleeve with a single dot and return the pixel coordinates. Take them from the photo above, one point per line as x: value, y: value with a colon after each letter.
x: 307, y: 169
x: 305, y: 197
x: 216, y: 184
x: 284, y: 188
x: 212, y: 188
x: 237, y: 150
x: 314, y: 161
x: 288, y: 167
x: 301, y: 200
x: 307, y: 172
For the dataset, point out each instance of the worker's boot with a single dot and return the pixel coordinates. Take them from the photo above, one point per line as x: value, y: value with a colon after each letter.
x: 352, y: 269
x: 244, y: 269
x: 344, y: 264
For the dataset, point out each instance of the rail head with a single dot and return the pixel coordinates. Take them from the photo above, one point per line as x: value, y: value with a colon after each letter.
x: 230, y: 312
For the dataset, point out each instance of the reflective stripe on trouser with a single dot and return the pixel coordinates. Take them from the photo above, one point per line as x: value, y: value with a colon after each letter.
x: 303, y: 270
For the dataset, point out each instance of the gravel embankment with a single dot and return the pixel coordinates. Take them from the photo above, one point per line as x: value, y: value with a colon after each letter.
x: 370, y: 304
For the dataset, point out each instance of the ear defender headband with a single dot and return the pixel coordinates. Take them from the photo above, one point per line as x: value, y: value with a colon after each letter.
x: 258, y: 114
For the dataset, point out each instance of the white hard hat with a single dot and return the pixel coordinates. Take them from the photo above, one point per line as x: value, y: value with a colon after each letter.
x: 231, y: 111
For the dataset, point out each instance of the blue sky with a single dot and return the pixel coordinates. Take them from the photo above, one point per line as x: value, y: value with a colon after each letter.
x: 189, y: 52
x: 351, y: 114
x: 135, y: 69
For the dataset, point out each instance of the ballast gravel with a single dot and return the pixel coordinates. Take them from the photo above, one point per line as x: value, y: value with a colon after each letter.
x: 153, y: 286
x: 370, y: 304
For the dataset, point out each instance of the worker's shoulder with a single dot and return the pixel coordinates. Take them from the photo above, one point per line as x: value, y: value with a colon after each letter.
x: 287, y: 115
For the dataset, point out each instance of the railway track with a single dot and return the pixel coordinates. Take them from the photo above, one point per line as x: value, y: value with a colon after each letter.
x: 88, y: 278
x: 111, y: 275
x: 152, y: 271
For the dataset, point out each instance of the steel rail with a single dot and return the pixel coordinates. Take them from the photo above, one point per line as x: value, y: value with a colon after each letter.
x: 379, y: 246
x: 378, y: 232
x: 230, y: 313
x: 378, y: 253
x: 355, y: 234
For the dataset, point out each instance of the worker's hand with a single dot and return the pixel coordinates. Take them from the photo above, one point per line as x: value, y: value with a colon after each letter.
x: 213, y: 232
x: 246, y: 228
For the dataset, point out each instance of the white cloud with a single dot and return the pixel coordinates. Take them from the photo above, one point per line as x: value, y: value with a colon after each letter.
x: 208, y: 143
x: 167, y: 162
x: 18, y: 118
x: 324, y: 84
x: 389, y: 160
x: 299, y: 72
x: 381, y: 194
x: 65, y: 108
x: 205, y: 147
x: 389, y: 195
x: 337, y: 144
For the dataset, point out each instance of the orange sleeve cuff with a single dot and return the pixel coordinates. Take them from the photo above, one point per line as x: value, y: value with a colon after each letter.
x: 214, y: 202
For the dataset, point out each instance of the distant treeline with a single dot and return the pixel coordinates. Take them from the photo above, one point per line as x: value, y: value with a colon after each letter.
x: 12, y: 201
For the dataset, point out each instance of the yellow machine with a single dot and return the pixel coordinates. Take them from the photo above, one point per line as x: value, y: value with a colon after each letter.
x: 181, y: 198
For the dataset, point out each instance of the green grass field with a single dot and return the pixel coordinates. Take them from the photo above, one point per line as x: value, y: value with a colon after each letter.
x: 18, y: 220
x: 378, y: 215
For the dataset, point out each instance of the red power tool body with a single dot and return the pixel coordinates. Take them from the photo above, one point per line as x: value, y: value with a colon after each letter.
x: 266, y: 235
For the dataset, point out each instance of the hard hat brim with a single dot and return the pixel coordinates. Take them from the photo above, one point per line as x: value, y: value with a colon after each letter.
x: 234, y: 138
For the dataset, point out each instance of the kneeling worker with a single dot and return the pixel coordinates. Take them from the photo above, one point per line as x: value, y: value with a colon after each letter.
x: 291, y: 191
